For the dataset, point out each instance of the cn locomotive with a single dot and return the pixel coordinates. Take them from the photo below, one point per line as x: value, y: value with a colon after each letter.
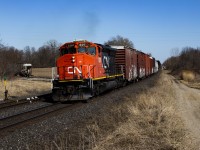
x: 86, y: 69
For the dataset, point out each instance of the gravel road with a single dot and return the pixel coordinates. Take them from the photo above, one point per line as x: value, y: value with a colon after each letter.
x: 188, y: 103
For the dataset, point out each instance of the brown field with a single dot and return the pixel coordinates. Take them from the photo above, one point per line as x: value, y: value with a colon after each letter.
x: 42, y: 72
x: 22, y: 88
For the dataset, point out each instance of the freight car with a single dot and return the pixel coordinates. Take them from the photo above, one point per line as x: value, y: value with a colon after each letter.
x: 126, y: 58
x: 86, y: 69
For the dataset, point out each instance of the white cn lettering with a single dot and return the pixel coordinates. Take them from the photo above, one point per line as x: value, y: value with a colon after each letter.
x: 71, y: 71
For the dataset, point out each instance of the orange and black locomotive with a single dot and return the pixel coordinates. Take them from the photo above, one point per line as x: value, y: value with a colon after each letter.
x: 85, y: 69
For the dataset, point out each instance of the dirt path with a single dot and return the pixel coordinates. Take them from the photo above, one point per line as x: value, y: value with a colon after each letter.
x: 188, y: 103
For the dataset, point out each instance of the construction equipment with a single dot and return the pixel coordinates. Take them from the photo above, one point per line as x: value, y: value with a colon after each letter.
x: 25, y: 70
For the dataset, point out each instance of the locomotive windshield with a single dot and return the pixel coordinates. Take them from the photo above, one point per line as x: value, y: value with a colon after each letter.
x: 81, y: 49
x: 92, y: 50
x: 70, y: 50
x: 89, y: 50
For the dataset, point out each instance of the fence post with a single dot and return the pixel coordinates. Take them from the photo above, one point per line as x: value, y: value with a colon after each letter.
x: 6, y: 91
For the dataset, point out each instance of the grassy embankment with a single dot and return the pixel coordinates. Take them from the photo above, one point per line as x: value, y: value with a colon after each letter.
x: 145, y: 118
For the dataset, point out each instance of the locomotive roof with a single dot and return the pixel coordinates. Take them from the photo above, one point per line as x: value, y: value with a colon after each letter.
x: 117, y: 47
x: 108, y: 47
x: 121, y: 47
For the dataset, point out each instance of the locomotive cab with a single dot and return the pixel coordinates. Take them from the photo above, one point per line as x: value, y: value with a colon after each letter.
x: 78, y: 60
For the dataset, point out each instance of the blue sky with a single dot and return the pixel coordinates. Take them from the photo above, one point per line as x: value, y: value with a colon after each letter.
x: 154, y: 26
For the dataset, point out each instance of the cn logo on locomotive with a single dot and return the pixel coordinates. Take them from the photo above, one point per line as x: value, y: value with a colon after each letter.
x: 72, y: 70
x: 106, y: 62
x: 85, y: 69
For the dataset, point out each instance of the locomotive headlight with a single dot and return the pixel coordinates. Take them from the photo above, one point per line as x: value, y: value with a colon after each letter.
x: 73, y: 59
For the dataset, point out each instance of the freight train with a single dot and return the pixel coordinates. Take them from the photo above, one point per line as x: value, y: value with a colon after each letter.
x: 86, y: 69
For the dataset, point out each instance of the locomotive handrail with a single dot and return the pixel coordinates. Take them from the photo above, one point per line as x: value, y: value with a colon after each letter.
x: 91, y: 70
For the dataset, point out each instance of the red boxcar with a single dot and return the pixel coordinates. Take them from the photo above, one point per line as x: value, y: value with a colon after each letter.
x: 147, y: 65
x: 126, y: 59
x: 152, y: 64
x: 141, y: 65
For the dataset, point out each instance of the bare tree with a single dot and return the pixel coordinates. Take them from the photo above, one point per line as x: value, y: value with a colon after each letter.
x: 174, y: 52
x: 1, y: 45
x: 53, y: 44
x: 45, y: 56
x: 120, y: 41
x: 27, y: 54
x: 53, y: 47
x: 9, y: 57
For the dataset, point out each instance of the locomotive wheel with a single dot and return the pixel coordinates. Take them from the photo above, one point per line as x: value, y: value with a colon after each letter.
x: 96, y: 90
x: 84, y: 101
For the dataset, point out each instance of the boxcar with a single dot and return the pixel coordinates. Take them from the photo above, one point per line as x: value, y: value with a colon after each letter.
x: 156, y: 66
x: 153, y: 65
x: 141, y: 65
x: 147, y: 65
x: 126, y: 58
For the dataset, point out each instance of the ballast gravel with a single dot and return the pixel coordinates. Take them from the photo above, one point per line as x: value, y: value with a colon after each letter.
x: 51, y: 127
x: 22, y: 108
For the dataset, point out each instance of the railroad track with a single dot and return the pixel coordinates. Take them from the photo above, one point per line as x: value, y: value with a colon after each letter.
x: 21, y: 102
x: 10, y: 124
x: 12, y: 104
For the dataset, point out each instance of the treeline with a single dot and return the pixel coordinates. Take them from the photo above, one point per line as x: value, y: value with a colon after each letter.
x: 188, y: 59
x: 11, y: 57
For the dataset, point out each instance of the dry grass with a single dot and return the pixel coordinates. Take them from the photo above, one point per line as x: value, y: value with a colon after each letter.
x: 152, y: 124
x: 188, y: 75
x: 195, y: 85
x: 18, y: 88
x: 42, y: 72
x: 192, y: 83
x: 145, y: 119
